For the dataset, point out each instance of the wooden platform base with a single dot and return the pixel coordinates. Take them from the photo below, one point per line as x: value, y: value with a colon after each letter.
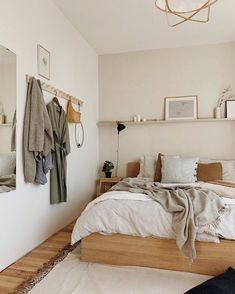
x: 212, y: 259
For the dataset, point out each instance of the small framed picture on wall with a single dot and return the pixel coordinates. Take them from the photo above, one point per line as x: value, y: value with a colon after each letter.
x: 181, y: 107
x: 43, y: 62
x: 230, y: 108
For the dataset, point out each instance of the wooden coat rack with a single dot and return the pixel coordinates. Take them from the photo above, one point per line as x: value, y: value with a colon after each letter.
x: 50, y: 89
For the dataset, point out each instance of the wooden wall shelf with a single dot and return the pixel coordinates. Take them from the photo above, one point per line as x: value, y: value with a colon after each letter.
x: 162, y: 121
x: 6, y: 125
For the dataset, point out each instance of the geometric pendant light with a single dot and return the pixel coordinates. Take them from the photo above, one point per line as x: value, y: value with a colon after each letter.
x: 185, y: 10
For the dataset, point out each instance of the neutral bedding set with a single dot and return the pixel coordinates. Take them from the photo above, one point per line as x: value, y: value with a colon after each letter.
x: 137, y: 214
x: 7, y: 183
x: 7, y: 172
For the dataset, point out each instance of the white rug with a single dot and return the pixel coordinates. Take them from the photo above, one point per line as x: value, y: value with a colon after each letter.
x: 72, y: 276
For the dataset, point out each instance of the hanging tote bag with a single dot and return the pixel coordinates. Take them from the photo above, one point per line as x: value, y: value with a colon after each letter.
x: 73, y: 116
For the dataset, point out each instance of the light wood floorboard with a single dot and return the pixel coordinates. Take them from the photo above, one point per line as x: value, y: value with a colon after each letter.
x: 27, y: 266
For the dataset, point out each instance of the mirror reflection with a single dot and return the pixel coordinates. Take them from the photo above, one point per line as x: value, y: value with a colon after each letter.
x: 7, y: 120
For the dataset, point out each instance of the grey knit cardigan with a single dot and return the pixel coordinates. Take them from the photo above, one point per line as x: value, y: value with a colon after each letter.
x: 37, y: 133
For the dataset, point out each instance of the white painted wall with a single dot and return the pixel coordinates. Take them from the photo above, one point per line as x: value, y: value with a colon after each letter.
x: 136, y: 83
x: 26, y: 217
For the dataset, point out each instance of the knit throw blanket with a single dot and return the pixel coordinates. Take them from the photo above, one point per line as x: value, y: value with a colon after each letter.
x: 194, y: 210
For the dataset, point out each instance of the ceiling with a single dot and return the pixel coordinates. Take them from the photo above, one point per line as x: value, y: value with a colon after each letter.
x: 113, y: 26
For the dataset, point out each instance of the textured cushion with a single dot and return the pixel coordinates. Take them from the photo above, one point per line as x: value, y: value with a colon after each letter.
x: 147, y: 167
x: 222, y: 284
x: 7, y: 164
x: 179, y: 170
x: 209, y: 172
x: 158, y: 171
x: 228, y: 167
x: 133, y: 169
x: 228, y: 170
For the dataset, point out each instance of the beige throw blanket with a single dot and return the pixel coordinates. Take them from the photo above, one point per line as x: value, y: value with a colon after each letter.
x: 193, y: 209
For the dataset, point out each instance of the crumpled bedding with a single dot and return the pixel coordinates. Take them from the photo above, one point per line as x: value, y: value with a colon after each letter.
x: 138, y: 215
x: 194, y: 210
x: 7, y: 183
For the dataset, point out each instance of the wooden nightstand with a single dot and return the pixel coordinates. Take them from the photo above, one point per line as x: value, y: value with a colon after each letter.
x: 104, y: 184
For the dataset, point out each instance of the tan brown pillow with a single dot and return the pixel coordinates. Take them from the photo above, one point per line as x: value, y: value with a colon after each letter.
x: 158, y: 173
x: 209, y: 172
x: 133, y: 169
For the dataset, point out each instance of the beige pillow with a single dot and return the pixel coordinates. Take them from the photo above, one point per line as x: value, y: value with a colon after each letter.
x: 147, y: 167
x: 158, y: 172
x: 179, y: 170
x: 7, y: 164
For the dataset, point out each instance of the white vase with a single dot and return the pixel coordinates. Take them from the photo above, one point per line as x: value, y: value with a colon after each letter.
x: 218, y: 112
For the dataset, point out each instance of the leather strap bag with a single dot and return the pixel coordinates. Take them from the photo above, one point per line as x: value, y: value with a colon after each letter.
x: 73, y: 116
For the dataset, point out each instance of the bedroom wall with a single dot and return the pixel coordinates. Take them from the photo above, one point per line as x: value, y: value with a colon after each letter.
x: 26, y: 217
x: 136, y: 83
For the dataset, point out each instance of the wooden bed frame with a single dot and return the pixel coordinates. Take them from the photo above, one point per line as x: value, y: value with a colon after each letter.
x: 117, y: 249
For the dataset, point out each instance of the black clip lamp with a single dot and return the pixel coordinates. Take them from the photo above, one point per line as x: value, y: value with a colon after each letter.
x: 120, y: 127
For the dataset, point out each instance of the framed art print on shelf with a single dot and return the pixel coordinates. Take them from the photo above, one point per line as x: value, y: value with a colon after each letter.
x: 181, y: 107
x: 230, y: 108
x: 43, y: 62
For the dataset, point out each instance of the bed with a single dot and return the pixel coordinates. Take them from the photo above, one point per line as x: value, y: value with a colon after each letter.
x: 125, y: 249
x: 7, y: 183
x: 7, y: 172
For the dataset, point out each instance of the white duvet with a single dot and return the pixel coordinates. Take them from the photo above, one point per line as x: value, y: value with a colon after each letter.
x: 138, y: 215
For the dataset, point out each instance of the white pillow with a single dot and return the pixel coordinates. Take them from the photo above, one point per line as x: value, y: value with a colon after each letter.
x: 228, y: 170
x: 147, y: 167
x: 7, y: 164
x: 179, y: 170
x: 228, y: 167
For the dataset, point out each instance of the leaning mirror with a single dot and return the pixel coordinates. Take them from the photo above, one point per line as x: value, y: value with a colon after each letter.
x: 7, y: 120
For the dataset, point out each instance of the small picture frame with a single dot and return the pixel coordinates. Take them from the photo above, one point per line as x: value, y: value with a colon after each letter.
x: 181, y: 108
x: 43, y: 62
x: 230, y: 108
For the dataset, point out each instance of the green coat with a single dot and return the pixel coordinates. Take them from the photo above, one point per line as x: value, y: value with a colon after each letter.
x: 60, y: 149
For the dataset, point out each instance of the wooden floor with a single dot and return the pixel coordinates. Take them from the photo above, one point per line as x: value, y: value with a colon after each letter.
x: 26, y: 267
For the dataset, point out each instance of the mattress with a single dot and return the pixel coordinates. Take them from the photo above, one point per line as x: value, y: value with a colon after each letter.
x: 138, y: 215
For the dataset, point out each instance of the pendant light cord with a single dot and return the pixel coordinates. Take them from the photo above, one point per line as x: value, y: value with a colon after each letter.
x: 117, y: 163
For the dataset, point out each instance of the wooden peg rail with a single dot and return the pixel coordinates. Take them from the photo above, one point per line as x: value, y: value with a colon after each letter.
x: 50, y: 89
